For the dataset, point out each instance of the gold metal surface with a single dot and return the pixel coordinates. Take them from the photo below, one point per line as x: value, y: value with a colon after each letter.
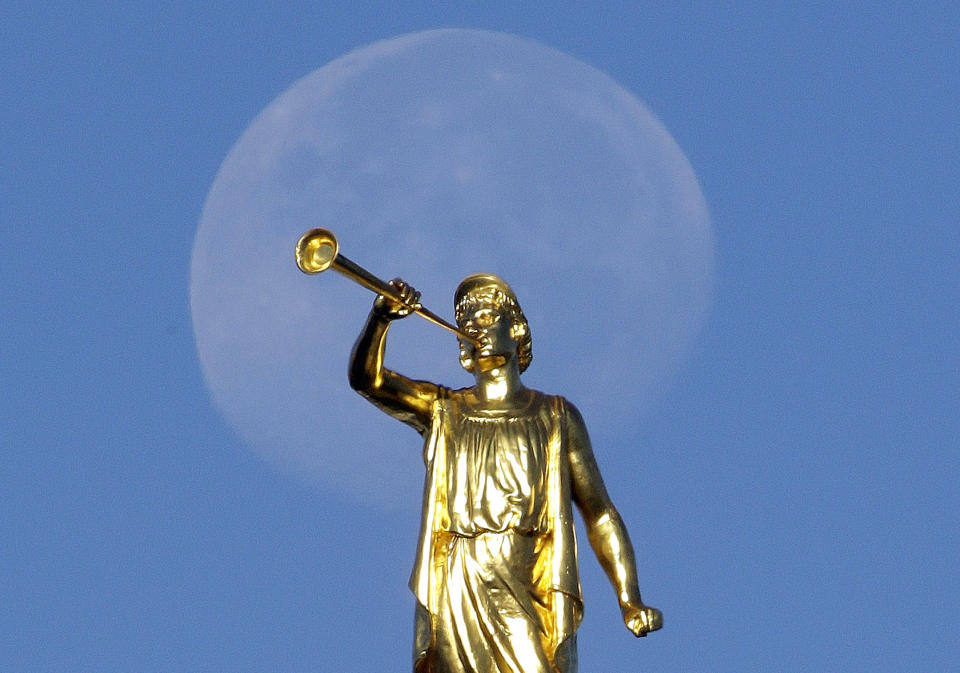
x: 318, y: 250
x: 496, y: 576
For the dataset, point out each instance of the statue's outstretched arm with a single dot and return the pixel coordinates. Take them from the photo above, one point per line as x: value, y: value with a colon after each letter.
x: 605, y: 529
x: 403, y: 398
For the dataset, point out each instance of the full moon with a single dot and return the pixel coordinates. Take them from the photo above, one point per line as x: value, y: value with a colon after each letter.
x: 432, y: 156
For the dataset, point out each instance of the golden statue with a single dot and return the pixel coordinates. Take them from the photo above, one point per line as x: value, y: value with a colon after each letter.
x: 495, y: 577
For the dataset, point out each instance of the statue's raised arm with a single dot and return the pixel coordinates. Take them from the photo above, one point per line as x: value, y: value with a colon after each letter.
x: 403, y: 398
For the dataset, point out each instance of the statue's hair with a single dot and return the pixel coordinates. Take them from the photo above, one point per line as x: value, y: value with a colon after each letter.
x: 483, y: 289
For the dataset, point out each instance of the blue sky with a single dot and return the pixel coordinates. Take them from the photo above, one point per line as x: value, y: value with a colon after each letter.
x: 799, y: 501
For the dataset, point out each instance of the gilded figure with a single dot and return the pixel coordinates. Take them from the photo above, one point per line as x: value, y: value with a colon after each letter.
x: 495, y: 577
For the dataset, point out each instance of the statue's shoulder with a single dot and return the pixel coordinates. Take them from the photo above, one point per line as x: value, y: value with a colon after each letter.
x: 453, y: 394
x: 452, y: 399
x: 540, y: 397
x: 557, y: 405
x: 569, y: 411
x: 558, y: 401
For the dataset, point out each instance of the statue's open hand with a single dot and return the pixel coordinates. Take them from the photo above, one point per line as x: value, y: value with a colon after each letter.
x: 392, y: 309
x: 641, y: 619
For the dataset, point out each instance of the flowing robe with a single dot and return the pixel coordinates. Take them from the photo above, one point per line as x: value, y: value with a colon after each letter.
x: 496, y: 571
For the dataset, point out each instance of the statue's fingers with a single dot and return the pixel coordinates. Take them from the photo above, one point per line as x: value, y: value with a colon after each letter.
x: 656, y: 619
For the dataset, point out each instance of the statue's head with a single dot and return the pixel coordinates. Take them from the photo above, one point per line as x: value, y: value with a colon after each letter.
x: 482, y: 298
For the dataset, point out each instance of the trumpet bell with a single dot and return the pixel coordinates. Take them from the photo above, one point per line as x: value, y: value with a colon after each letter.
x: 316, y: 250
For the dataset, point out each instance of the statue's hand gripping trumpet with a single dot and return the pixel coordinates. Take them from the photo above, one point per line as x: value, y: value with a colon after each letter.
x: 495, y: 576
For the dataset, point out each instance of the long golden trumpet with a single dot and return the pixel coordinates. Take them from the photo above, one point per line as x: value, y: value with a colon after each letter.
x: 318, y: 250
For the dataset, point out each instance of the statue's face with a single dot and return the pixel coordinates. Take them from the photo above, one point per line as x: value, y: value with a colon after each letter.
x: 492, y: 328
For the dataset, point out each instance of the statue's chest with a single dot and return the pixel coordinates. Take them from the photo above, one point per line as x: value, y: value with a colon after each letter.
x: 496, y: 473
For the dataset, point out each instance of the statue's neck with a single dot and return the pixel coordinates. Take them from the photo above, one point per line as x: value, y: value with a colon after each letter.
x: 500, y: 386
